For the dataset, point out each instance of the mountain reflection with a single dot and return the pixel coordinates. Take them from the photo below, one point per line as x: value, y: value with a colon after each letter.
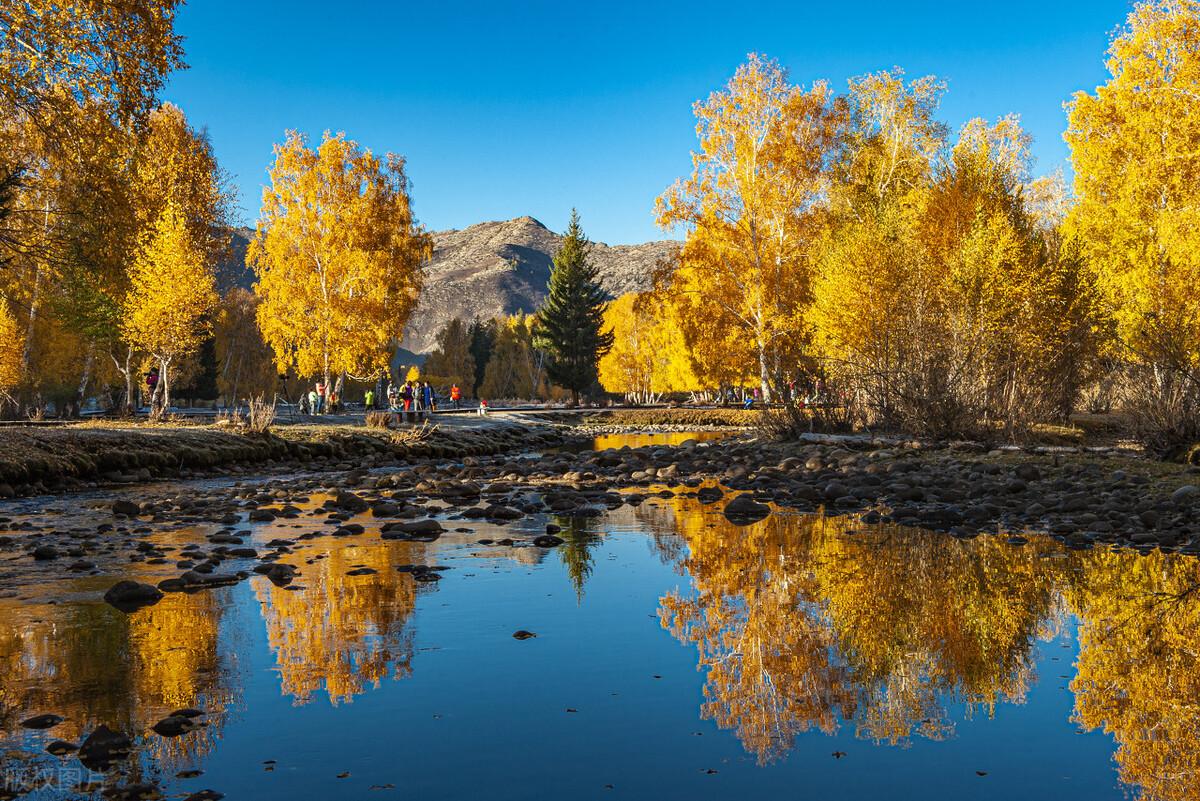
x: 809, y: 623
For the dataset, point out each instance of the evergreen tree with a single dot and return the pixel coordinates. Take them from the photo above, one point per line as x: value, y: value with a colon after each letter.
x: 483, y: 339
x: 570, y: 320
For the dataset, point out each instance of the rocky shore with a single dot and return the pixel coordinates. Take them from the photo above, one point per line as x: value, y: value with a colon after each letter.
x: 508, y: 471
x: 36, y: 460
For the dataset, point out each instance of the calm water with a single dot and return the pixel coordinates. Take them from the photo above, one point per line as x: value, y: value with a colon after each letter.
x: 677, y: 656
x: 605, y: 441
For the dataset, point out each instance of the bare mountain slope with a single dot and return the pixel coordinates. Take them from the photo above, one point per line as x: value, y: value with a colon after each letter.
x: 496, y: 268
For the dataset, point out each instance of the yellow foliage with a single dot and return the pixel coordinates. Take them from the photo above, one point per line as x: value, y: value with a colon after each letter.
x: 245, y: 365
x: 173, y: 292
x: 1135, y: 148
x: 11, y: 345
x: 649, y: 355
x: 338, y: 258
x: 116, y: 52
x: 751, y: 207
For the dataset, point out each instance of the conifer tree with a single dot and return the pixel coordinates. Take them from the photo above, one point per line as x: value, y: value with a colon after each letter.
x: 483, y: 338
x: 570, y: 322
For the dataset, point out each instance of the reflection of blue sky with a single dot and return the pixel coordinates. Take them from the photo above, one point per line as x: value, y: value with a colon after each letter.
x: 481, y: 709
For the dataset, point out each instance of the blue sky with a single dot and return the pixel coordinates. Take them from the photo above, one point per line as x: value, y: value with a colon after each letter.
x: 511, y: 108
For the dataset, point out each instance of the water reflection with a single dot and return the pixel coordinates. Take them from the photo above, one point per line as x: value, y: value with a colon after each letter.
x: 89, y: 663
x: 339, y: 632
x: 1138, y: 675
x: 807, y: 623
x: 799, y: 625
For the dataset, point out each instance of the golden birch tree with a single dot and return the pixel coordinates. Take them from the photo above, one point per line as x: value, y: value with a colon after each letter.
x: 172, y: 295
x: 116, y: 52
x: 338, y: 258
x: 649, y: 354
x: 752, y: 207
x: 1135, y: 147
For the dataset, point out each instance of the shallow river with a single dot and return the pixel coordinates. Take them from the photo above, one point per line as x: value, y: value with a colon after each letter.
x: 676, y: 656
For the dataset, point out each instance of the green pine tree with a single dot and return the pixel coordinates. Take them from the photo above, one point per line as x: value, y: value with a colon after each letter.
x: 570, y: 320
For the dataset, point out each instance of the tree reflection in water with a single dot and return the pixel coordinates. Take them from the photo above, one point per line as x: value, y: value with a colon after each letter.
x: 90, y: 663
x: 343, y: 633
x: 806, y: 623
x: 801, y: 624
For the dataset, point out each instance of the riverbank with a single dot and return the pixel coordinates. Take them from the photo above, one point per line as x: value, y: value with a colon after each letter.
x: 1082, y: 496
x: 36, y: 460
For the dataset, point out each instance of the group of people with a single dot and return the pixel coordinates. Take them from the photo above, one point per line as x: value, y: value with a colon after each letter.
x: 417, y: 398
x: 412, y: 396
x: 320, y: 400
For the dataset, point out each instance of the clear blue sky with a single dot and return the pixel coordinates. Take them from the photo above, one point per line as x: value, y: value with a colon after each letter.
x: 511, y: 108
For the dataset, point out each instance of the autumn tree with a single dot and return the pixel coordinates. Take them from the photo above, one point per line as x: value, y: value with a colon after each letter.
x: 245, y: 364
x: 1135, y: 149
x: 649, y: 355
x: 867, y: 271
x: 452, y: 360
x: 514, y: 369
x: 719, y: 356
x: 117, y: 52
x: 173, y: 292
x: 338, y: 258
x: 751, y: 209
x: 942, y: 302
x: 11, y: 345
x: 571, y: 320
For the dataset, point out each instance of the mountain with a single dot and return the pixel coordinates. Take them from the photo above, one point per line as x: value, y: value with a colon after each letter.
x: 496, y: 268
x: 232, y: 270
x: 487, y: 270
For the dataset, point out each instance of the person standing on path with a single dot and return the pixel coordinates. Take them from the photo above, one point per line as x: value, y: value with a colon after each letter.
x: 428, y: 398
x: 369, y: 400
x: 455, y: 395
x: 320, y: 398
x: 406, y: 398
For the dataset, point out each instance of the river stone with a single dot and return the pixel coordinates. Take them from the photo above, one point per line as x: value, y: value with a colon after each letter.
x: 709, y: 494
x: 522, y: 634
x: 1028, y: 472
x: 103, y: 747
x: 174, y: 726
x: 45, y: 553
x: 205, y: 795
x: 743, y: 510
x: 498, y: 512
x: 350, y: 502
x: 127, y: 508
x: 61, y: 748
x: 1185, y: 494
x: 129, y: 596
x: 548, y: 541
x: 47, y: 721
